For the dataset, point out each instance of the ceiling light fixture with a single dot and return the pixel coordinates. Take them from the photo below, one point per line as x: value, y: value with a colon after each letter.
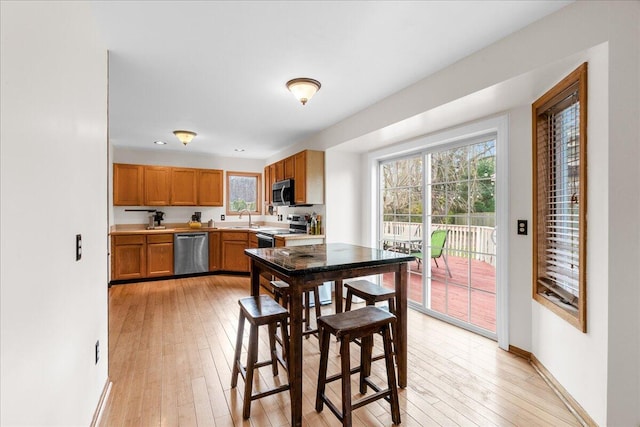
x: 303, y: 88
x: 159, y: 142
x: 185, y: 136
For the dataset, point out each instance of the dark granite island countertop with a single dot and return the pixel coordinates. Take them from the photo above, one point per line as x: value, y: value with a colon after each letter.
x: 303, y: 266
x: 302, y: 260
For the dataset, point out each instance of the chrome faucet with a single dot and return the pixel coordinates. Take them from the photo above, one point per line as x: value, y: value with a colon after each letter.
x: 247, y: 211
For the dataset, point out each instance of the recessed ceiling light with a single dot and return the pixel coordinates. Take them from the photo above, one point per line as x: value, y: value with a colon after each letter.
x: 239, y: 150
x: 160, y: 142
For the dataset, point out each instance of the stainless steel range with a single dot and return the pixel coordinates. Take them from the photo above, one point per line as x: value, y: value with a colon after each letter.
x: 297, y: 225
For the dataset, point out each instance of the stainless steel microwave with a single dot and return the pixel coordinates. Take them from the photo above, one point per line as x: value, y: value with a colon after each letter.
x: 282, y: 193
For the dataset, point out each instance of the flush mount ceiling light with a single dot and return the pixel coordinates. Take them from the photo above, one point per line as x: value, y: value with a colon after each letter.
x: 159, y: 142
x: 185, y: 136
x: 303, y: 88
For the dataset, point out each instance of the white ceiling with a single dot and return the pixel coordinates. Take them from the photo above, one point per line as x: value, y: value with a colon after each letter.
x: 219, y: 68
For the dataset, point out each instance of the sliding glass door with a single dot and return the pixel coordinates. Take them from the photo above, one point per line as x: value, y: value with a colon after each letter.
x: 440, y: 206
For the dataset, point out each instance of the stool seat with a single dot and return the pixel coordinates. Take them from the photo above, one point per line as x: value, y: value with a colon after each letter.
x: 262, y: 310
x: 357, y: 323
x: 258, y: 311
x: 363, y: 323
x: 369, y: 291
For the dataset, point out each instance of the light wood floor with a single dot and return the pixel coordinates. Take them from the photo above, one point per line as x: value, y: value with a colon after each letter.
x: 171, y: 349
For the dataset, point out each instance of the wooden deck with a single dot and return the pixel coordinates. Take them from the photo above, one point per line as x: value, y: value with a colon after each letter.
x: 450, y: 295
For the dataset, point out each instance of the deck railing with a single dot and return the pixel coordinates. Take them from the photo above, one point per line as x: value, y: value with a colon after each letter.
x: 478, y: 242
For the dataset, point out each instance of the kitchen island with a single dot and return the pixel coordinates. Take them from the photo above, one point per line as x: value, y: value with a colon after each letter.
x: 303, y: 267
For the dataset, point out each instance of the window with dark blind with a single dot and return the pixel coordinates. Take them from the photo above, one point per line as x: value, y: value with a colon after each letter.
x: 559, y: 202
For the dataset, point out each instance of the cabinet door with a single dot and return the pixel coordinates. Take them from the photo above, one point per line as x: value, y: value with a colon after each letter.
x: 289, y: 167
x: 279, y: 166
x: 233, y: 256
x: 157, y: 184
x: 233, y: 246
x: 300, y: 180
x: 184, y: 187
x: 160, y: 255
x: 129, y: 258
x: 127, y: 185
x: 210, y: 187
x: 159, y: 259
x: 215, y: 258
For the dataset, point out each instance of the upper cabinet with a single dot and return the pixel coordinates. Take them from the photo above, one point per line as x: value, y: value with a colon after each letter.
x: 184, y: 187
x: 306, y: 168
x: 309, y: 177
x: 157, y: 185
x: 127, y: 185
x: 210, y: 187
x: 289, y: 167
x: 136, y: 185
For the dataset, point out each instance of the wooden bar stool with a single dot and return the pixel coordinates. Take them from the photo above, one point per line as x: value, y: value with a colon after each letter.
x: 261, y: 310
x: 280, y: 291
x: 371, y: 293
x: 346, y: 326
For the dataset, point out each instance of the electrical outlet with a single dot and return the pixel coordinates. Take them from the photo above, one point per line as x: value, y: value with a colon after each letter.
x: 97, y: 351
x: 78, y: 247
x: 221, y: 217
x: 522, y: 227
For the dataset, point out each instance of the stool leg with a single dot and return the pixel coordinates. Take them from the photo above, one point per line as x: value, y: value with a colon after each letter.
x: 284, y: 331
x: 236, y: 357
x: 347, y: 306
x: 366, y: 347
x: 322, y: 372
x: 391, y: 375
x: 316, y: 297
x: 251, y: 362
x: 272, y: 347
x: 346, y: 380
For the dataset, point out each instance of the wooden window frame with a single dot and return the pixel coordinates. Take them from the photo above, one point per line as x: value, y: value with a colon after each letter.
x: 575, y: 314
x: 258, y: 176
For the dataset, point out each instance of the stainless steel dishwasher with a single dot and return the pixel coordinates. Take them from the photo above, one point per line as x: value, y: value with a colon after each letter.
x: 190, y: 253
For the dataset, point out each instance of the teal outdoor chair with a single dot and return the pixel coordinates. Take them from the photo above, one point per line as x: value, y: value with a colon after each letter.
x: 438, y: 240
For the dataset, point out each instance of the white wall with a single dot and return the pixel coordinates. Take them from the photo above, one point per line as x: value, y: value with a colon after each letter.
x: 601, y: 369
x: 343, y: 198
x: 53, y: 185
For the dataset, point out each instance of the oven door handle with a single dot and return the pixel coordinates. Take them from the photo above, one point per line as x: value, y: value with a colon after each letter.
x: 264, y: 236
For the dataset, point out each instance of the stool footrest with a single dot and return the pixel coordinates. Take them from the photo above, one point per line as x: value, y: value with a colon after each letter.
x: 270, y: 392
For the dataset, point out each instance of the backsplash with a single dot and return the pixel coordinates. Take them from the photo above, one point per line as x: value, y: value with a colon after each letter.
x: 179, y: 214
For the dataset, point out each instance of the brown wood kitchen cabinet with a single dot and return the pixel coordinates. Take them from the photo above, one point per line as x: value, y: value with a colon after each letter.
x: 210, y: 187
x: 184, y: 187
x: 215, y: 253
x: 128, y: 185
x: 157, y: 185
x: 160, y: 255
x: 233, y: 244
x: 137, y: 185
x: 309, y: 177
x: 129, y: 257
x: 267, y: 185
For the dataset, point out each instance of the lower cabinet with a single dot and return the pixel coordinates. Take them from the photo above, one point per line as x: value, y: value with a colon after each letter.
x: 129, y: 259
x: 138, y: 256
x: 215, y: 258
x: 160, y: 255
x: 233, y: 244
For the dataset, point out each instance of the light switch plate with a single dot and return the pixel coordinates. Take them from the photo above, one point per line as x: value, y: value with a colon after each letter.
x: 78, y: 247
